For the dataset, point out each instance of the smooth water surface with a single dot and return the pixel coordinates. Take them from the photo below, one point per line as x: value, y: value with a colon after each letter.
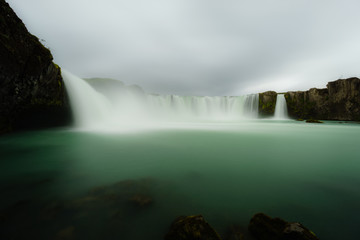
x: 64, y: 183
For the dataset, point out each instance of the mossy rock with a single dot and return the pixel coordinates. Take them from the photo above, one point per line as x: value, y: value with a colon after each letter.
x: 263, y: 227
x: 267, y: 103
x: 313, y: 121
x: 191, y: 228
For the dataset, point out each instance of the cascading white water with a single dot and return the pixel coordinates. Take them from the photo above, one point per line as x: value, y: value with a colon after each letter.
x: 194, y: 108
x: 90, y: 108
x: 114, y: 109
x: 281, y: 112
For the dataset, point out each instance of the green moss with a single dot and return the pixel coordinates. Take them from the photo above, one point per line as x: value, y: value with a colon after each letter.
x: 267, y: 108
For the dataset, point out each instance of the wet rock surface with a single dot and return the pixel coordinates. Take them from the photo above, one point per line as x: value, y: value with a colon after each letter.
x: 191, y: 228
x: 313, y: 121
x: 264, y: 227
x: 66, y: 234
x: 235, y: 232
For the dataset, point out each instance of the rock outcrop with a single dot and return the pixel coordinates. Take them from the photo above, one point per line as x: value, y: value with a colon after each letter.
x: 344, y: 99
x: 261, y: 227
x: 32, y: 92
x: 308, y: 104
x: 264, y: 227
x: 267, y: 103
x: 339, y: 101
x: 191, y: 228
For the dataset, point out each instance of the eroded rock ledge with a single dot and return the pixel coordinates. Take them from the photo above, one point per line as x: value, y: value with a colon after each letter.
x: 32, y: 93
x: 339, y: 101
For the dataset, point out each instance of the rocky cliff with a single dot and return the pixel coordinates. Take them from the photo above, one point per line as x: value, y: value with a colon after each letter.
x: 344, y: 99
x: 308, y: 104
x: 32, y: 92
x: 267, y: 103
x: 339, y: 101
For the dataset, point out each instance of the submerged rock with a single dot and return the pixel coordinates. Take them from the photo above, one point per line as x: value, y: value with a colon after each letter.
x: 313, y: 121
x: 235, y: 232
x: 125, y: 195
x: 52, y: 211
x: 32, y: 92
x: 141, y: 200
x: 66, y: 234
x: 263, y: 227
x: 191, y: 228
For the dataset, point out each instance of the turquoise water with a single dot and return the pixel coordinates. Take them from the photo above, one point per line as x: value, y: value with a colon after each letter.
x: 64, y: 183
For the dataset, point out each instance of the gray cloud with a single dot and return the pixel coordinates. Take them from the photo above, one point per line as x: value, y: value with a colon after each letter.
x: 202, y: 47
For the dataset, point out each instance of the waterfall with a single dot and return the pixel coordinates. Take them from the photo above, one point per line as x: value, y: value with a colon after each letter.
x: 89, y: 107
x: 193, y: 108
x: 123, y: 106
x: 281, y: 112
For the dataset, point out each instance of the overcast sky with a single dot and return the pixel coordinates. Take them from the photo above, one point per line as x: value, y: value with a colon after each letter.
x: 201, y: 47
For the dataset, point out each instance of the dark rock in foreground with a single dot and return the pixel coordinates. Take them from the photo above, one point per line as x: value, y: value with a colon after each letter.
x: 32, y: 92
x: 264, y: 227
x: 109, y: 209
x: 235, y: 232
x: 191, y: 228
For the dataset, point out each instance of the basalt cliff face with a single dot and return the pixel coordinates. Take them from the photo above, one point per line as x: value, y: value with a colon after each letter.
x: 32, y: 93
x: 344, y: 99
x: 339, y: 101
x: 267, y: 103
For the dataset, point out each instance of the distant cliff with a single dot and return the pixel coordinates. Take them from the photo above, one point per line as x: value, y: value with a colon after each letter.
x: 339, y: 101
x: 32, y: 92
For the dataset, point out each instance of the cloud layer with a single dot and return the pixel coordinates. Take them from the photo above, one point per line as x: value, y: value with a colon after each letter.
x: 202, y: 47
